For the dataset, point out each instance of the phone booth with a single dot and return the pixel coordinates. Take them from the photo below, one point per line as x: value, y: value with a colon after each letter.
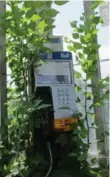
x: 54, y: 84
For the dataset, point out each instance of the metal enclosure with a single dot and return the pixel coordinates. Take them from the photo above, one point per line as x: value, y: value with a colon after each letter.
x: 57, y: 73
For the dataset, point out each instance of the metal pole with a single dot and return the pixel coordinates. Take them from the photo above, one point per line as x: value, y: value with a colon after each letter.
x: 3, y: 81
x: 99, y: 114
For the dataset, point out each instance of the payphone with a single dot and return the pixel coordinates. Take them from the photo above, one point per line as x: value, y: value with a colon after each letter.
x: 55, y: 83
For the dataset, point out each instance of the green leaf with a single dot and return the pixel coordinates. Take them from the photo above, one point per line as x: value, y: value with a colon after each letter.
x: 51, y: 12
x: 106, y: 79
x: 78, y: 100
x: 72, y: 154
x: 87, y: 36
x: 60, y: 3
x: 95, y: 31
x: 33, y: 4
x: 66, y: 39
x: 93, y: 57
x: 77, y: 59
x: 49, y: 21
x: 97, y: 20
x: 89, y: 96
x: 82, y: 18
x: 29, y: 13
x: 35, y: 17
x: 81, y: 28
x: 42, y: 106
x: 5, y: 168
x: 83, y: 135
x: 107, y: 133
x: 77, y: 88
x: 98, y: 104
x: 86, y: 50
x: 75, y: 35
x: 74, y: 24
x: 82, y: 39
x: 80, y: 55
x: 42, y: 25
x: 94, y: 160
x: 82, y: 157
x: 106, y: 95
x: 101, y: 21
x: 78, y: 75
x: 97, y: 3
x: 95, y: 46
x: 77, y: 45
x: 70, y: 48
x: 89, y: 62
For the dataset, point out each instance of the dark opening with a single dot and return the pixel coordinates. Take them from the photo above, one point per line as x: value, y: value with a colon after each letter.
x: 45, y: 94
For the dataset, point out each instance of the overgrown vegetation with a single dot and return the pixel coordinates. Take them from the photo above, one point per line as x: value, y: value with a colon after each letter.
x: 84, y: 45
x: 28, y: 25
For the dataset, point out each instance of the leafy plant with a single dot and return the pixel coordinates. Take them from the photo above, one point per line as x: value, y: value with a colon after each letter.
x: 84, y: 45
x: 28, y: 25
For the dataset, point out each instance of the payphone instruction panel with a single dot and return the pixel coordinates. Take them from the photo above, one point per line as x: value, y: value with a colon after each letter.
x: 53, y: 73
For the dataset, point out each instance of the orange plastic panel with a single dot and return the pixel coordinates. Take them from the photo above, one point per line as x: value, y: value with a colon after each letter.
x: 65, y: 124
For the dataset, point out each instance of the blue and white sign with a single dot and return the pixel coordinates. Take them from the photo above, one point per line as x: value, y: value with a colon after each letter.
x: 58, y: 56
x: 62, y: 56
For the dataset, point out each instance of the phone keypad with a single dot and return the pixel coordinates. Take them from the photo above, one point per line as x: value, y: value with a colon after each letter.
x: 63, y: 97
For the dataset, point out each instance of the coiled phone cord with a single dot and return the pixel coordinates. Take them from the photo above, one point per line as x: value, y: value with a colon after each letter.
x: 51, y: 159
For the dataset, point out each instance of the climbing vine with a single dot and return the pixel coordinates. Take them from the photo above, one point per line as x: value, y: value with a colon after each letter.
x: 84, y: 45
x: 28, y: 25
